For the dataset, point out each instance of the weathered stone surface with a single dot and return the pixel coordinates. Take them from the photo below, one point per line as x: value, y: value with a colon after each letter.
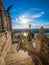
x: 5, y: 44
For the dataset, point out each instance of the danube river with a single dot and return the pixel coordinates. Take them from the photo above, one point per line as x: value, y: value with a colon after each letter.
x: 31, y: 30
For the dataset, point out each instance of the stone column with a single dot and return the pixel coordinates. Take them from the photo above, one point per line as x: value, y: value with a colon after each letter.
x: 10, y: 24
x: 0, y: 24
x: 7, y: 19
x: 4, y: 21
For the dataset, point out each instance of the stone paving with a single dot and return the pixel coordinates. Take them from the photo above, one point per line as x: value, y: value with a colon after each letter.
x: 15, y: 55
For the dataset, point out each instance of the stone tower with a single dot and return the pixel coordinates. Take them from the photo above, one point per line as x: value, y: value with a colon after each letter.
x: 38, y: 39
x: 41, y: 32
x: 10, y: 24
x: 5, y: 35
x: 3, y: 23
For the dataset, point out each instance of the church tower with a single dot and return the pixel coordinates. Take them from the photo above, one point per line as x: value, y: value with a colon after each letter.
x: 2, y: 17
x: 1, y: 22
x: 1, y: 4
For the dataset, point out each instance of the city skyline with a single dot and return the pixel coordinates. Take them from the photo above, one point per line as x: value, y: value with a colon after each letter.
x: 25, y: 12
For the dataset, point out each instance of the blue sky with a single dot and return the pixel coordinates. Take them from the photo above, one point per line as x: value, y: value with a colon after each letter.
x: 25, y: 12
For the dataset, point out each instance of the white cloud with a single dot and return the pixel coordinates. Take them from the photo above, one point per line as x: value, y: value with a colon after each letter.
x: 38, y: 15
x: 45, y: 25
x: 34, y: 9
x: 33, y: 26
x: 25, y: 19
x: 22, y: 19
x: 20, y: 26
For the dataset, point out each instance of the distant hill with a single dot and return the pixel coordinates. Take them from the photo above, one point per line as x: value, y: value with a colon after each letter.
x: 27, y: 30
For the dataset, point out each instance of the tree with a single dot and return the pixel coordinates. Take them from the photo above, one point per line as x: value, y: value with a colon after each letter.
x: 30, y: 36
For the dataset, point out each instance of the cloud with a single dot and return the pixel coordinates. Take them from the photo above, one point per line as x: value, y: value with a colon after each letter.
x: 37, y: 9
x: 25, y: 19
x: 45, y: 25
x: 33, y: 26
x: 38, y: 15
x: 22, y: 20
x: 20, y: 26
x: 34, y: 9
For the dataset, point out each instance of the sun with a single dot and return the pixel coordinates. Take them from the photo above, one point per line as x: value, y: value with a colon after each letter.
x: 23, y: 19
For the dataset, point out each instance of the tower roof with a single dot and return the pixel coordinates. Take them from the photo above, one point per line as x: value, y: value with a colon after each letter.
x: 1, y: 4
x: 41, y: 30
x: 1, y: 0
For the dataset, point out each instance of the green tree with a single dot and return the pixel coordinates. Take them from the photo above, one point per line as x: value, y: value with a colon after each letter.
x: 30, y: 36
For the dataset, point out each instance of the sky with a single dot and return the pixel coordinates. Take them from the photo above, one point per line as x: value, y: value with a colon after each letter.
x: 25, y: 12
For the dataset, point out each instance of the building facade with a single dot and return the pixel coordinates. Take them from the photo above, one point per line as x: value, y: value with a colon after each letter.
x: 5, y: 19
x: 5, y: 34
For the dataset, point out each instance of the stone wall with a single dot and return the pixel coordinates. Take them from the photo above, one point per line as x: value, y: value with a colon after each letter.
x: 5, y: 44
x: 38, y: 45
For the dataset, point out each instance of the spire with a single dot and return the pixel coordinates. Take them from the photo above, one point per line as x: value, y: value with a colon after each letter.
x: 1, y: 4
x: 1, y: 0
x: 41, y: 30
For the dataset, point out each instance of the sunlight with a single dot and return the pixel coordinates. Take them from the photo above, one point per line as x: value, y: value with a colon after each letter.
x: 23, y: 19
